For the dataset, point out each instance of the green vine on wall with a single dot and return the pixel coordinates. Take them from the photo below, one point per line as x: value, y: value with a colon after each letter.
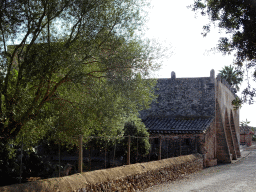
x: 237, y: 103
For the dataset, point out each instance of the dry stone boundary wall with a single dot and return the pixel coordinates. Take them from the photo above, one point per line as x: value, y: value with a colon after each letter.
x: 133, y: 177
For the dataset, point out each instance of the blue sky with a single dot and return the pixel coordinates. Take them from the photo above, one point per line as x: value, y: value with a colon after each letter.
x: 171, y: 22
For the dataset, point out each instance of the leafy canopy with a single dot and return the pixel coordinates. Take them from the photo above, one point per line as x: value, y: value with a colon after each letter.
x: 232, y: 76
x: 238, y: 18
x: 77, y: 67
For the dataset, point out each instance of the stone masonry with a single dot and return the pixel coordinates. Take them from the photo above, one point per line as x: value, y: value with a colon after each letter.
x: 191, y: 100
x: 183, y: 97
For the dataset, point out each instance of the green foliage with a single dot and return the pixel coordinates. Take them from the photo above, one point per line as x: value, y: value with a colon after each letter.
x: 253, y: 136
x: 78, y: 68
x: 132, y: 126
x: 237, y: 103
x: 245, y: 123
x: 33, y: 164
x: 238, y: 19
x: 139, y: 136
x: 137, y: 128
x: 232, y: 76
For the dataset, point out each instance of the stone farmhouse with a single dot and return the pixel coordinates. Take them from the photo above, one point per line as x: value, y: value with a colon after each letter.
x: 246, y: 134
x: 197, y: 106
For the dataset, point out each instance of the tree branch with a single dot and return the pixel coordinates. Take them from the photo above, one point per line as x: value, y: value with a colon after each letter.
x: 48, y: 95
x: 67, y: 101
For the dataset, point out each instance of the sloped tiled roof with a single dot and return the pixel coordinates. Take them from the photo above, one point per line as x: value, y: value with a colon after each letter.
x: 177, y: 125
x: 245, y: 129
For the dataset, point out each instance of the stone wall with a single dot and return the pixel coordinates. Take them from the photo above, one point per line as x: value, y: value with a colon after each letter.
x: 125, y: 178
x: 227, y: 123
x: 225, y: 95
x: 210, y: 142
x: 246, y: 139
x: 223, y: 152
x: 183, y: 97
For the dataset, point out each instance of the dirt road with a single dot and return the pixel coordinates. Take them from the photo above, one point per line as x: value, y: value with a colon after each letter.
x: 240, y: 176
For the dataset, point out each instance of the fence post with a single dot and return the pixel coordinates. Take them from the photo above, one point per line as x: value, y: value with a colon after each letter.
x: 59, y: 157
x: 90, y: 159
x: 196, y: 144
x: 105, y: 156
x: 168, y: 141
x: 129, y: 150
x: 180, y: 146
x: 80, y: 158
x: 149, y: 150
x: 159, y: 155
x: 21, y: 158
x: 114, y: 154
x: 137, y: 151
x: 188, y: 151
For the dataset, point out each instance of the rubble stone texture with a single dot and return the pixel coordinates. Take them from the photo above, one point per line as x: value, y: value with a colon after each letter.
x: 191, y: 101
x: 125, y: 178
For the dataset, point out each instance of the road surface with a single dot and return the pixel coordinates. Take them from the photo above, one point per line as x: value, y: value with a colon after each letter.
x: 239, y: 176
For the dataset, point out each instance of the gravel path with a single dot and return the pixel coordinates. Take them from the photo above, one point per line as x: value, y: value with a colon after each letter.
x: 237, y: 177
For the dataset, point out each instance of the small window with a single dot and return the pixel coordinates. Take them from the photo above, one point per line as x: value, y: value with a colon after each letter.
x: 187, y: 142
